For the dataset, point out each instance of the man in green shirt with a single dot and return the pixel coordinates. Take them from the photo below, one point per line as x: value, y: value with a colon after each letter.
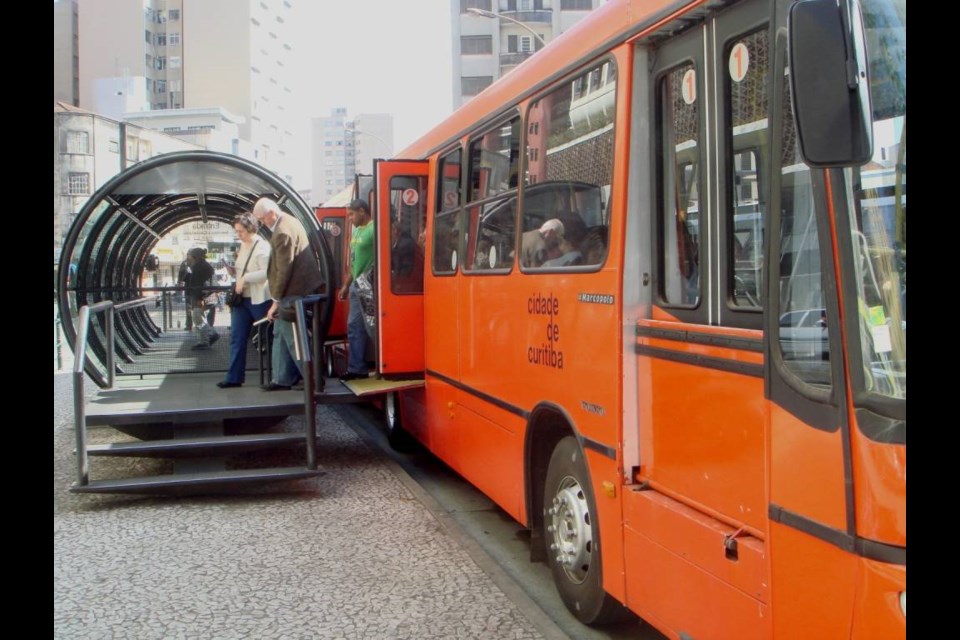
x: 361, y: 259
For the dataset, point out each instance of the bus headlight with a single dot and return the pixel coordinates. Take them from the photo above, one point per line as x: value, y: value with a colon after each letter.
x: 903, y: 602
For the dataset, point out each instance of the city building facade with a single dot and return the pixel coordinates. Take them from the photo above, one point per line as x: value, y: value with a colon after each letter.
x: 341, y: 148
x: 66, y: 57
x: 492, y: 37
x: 153, y: 55
x: 89, y: 150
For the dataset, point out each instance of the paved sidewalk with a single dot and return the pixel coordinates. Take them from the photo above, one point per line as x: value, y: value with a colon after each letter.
x: 350, y: 554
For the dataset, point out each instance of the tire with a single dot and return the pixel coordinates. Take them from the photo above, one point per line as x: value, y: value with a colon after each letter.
x: 571, y: 535
x: 328, y: 357
x: 397, y: 436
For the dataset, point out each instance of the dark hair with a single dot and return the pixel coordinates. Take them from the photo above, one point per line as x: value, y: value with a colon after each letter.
x: 247, y: 221
x: 359, y: 204
x: 197, y: 253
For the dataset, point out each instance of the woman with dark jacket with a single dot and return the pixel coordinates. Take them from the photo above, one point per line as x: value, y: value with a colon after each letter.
x: 201, y: 297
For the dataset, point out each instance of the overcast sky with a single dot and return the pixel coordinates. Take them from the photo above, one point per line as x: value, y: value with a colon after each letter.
x: 379, y: 56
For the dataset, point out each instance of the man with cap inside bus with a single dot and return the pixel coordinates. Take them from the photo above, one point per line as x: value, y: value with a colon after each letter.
x: 538, y: 245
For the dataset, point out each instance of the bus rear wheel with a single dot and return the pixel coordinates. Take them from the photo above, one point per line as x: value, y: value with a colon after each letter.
x: 397, y: 436
x: 572, y: 537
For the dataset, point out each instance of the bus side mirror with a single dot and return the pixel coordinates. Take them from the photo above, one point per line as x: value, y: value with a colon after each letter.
x: 829, y: 83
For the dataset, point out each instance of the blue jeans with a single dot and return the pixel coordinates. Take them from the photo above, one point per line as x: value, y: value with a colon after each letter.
x: 286, y: 368
x: 356, y: 334
x: 241, y: 325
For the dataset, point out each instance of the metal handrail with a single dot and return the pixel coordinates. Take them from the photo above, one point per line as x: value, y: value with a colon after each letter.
x: 311, y: 366
x: 79, y: 362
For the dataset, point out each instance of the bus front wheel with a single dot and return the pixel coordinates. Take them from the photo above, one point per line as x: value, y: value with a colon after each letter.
x: 572, y: 537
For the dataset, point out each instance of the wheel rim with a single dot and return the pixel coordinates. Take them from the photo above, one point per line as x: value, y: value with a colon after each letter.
x: 390, y: 411
x: 570, y: 529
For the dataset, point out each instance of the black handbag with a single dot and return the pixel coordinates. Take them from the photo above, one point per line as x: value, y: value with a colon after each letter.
x: 235, y: 299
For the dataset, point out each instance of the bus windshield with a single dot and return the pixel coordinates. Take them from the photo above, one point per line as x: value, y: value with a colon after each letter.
x: 878, y: 202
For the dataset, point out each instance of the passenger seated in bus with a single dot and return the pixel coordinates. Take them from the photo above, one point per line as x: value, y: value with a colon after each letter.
x: 594, y: 246
x: 539, y: 245
x: 569, y: 256
x: 403, y: 252
x: 482, y: 258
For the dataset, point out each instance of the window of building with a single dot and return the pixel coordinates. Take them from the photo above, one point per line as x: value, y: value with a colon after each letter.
x: 149, y: 85
x: 576, y: 5
x: 475, y: 4
x: 175, y: 85
x: 526, y: 44
x: 175, y: 62
x: 148, y: 36
x: 476, y: 45
x: 570, y: 176
x: 472, y: 85
x: 173, y: 38
x: 113, y: 146
x: 78, y: 184
x: 160, y: 105
x: 148, y: 61
x: 161, y: 86
x: 174, y: 15
x: 78, y: 142
x: 161, y: 62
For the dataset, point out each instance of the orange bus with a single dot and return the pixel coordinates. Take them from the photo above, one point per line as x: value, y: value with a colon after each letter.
x: 661, y: 319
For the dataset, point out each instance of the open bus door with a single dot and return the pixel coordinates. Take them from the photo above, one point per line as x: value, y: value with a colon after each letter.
x: 400, y: 212
x: 333, y: 220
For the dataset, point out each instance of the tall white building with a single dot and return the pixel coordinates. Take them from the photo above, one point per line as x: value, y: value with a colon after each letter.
x: 372, y: 138
x: 142, y: 55
x: 332, y: 155
x: 486, y: 47
x: 342, y: 148
x: 66, y: 71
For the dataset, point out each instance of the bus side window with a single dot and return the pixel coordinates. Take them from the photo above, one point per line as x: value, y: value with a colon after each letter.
x: 446, y: 222
x: 680, y: 228
x: 491, y: 214
x: 569, y: 172
x: 746, y: 119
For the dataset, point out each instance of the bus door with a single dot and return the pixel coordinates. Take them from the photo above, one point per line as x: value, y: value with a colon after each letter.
x: 400, y: 212
x: 699, y: 456
x: 333, y: 221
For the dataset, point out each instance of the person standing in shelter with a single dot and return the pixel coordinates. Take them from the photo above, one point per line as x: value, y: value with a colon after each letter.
x: 182, y: 276
x: 361, y: 260
x: 250, y: 271
x: 200, y: 297
x: 292, y: 272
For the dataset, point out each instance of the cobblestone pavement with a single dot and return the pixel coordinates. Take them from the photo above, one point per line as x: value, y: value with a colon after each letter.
x: 350, y: 554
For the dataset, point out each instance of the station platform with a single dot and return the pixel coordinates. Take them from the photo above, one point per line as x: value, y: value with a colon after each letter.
x: 351, y: 553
